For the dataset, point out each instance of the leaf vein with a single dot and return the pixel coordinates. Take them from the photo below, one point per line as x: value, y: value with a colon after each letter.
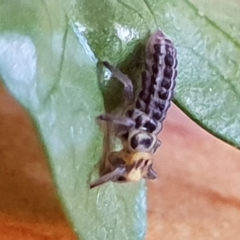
x: 130, y: 8
x: 151, y: 11
x: 212, y: 23
x: 58, y: 76
x: 219, y: 73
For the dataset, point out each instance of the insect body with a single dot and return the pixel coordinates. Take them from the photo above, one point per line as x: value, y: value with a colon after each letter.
x: 142, y: 122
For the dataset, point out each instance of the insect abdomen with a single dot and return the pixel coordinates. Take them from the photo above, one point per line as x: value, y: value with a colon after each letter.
x: 154, y: 98
x: 158, y: 79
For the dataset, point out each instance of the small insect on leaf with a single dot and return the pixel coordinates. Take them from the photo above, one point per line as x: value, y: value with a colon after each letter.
x: 142, y: 121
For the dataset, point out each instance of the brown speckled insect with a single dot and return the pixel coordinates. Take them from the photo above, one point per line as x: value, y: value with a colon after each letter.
x: 139, y: 127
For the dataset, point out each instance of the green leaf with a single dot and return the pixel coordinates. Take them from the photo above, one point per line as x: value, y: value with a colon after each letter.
x: 48, y: 56
x: 51, y: 70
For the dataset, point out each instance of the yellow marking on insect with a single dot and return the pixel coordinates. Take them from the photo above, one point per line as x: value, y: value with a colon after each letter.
x: 134, y: 175
x: 135, y: 164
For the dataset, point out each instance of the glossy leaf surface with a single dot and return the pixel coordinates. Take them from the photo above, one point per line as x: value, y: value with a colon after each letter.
x: 48, y: 61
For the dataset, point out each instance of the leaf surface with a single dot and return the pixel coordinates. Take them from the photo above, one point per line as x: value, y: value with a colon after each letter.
x: 48, y: 57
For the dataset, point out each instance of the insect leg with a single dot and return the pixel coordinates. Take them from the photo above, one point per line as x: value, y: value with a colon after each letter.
x: 111, y: 176
x: 119, y: 122
x: 124, y: 79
